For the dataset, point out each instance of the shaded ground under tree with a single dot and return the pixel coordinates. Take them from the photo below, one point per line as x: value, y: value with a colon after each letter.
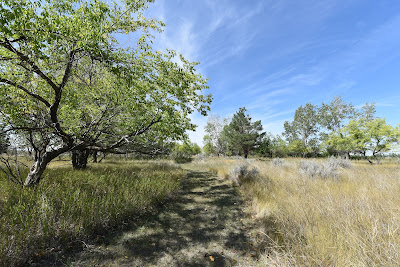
x: 204, y: 225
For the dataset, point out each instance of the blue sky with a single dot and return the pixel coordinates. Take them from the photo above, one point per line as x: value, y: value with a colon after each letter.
x: 273, y: 56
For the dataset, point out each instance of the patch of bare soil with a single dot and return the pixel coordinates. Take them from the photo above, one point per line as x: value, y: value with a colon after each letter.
x: 205, y: 225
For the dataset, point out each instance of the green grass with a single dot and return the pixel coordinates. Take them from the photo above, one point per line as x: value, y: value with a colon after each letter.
x: 69, y: 206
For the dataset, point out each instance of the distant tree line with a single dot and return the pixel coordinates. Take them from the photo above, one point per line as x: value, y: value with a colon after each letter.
x: 336, y: 128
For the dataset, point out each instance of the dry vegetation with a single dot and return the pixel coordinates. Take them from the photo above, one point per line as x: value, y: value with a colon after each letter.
x: 68, y: 206
x: 323, y: 212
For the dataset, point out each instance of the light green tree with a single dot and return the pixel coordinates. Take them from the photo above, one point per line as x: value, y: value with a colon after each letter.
x: 381, y: 137
x: 362, y: 136
x: 209, y: 148
x: 297, y: 148
x: 67, y: 84
x: 196, y: 149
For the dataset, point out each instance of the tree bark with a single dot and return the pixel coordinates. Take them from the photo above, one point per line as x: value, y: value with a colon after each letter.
x: 366, y: 157
x: 36, y: 171
x: 94, y: 153
x: 376, y: 158
x: 42, y: 159
x: 80, y: 159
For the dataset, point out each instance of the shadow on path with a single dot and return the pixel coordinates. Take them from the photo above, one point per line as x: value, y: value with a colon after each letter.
x: 202, y: 226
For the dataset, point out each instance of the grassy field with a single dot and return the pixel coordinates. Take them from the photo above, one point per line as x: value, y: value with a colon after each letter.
x: 71, y: 206
x: 322, y: 212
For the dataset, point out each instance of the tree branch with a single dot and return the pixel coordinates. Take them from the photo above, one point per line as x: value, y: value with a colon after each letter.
x: 38, y: 97
x: 8, y: 45
x: 67, y: 72
x: 138, y: 132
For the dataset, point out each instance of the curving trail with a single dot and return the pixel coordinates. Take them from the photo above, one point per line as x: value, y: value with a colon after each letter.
x: 205, y: 225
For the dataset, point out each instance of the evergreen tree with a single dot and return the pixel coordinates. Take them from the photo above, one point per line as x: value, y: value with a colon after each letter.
x: 242, y: 135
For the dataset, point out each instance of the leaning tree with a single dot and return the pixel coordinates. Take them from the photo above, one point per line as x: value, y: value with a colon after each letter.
x: 66, y: 84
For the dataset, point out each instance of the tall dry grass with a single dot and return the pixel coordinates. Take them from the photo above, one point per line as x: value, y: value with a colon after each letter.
x: 70, y: 206
x: 350, y: 217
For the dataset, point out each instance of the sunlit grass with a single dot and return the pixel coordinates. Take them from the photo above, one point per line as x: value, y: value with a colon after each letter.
x: 71, y: 205
x: 352, y: 220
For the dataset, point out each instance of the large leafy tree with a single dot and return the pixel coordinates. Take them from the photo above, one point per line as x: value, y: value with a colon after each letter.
x: 304, y: 127
x: 381, y: 136
x: 68, y: 85
x: 242, y: 134
x: 273, y: 146
x: 214, y: 140
x: 333, y: 115
x: 350, y: 138
x: 365, y: 134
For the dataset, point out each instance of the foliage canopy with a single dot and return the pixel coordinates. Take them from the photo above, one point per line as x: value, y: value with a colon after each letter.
x: 67, y: 84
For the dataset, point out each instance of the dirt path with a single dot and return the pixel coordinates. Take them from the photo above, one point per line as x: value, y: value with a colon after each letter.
x: 204, y: 226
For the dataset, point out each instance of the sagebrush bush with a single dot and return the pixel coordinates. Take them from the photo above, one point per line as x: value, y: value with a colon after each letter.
x: 334, y: 162
x: 314, y: 169
x: 243, y: 173
x: 278, y: 162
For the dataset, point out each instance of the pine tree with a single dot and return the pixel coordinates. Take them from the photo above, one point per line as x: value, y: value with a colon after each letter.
x: 242, y: 135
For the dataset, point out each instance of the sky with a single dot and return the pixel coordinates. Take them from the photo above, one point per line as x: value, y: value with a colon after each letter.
x: 273, y: 56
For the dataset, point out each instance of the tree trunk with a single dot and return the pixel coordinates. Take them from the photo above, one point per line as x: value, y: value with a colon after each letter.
x: 376, y: 158
x: 80, y: 159
x: 42, y: 159
x: 36, y: 171
x: 94, y: 156
x: 366, y: 157
x: 104, y: 156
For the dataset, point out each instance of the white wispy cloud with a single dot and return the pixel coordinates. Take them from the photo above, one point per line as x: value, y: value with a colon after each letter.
x: 313, y: 64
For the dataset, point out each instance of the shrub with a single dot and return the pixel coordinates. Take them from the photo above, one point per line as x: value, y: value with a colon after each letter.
x: 277, y: 162
x: 314, y: 169
x: 181, y: 158
x: 201, y: 157
x: 339, y: 163
x: 242, y: 173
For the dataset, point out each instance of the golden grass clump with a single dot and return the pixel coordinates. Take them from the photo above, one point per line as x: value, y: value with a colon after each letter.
x: 349, y: 219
